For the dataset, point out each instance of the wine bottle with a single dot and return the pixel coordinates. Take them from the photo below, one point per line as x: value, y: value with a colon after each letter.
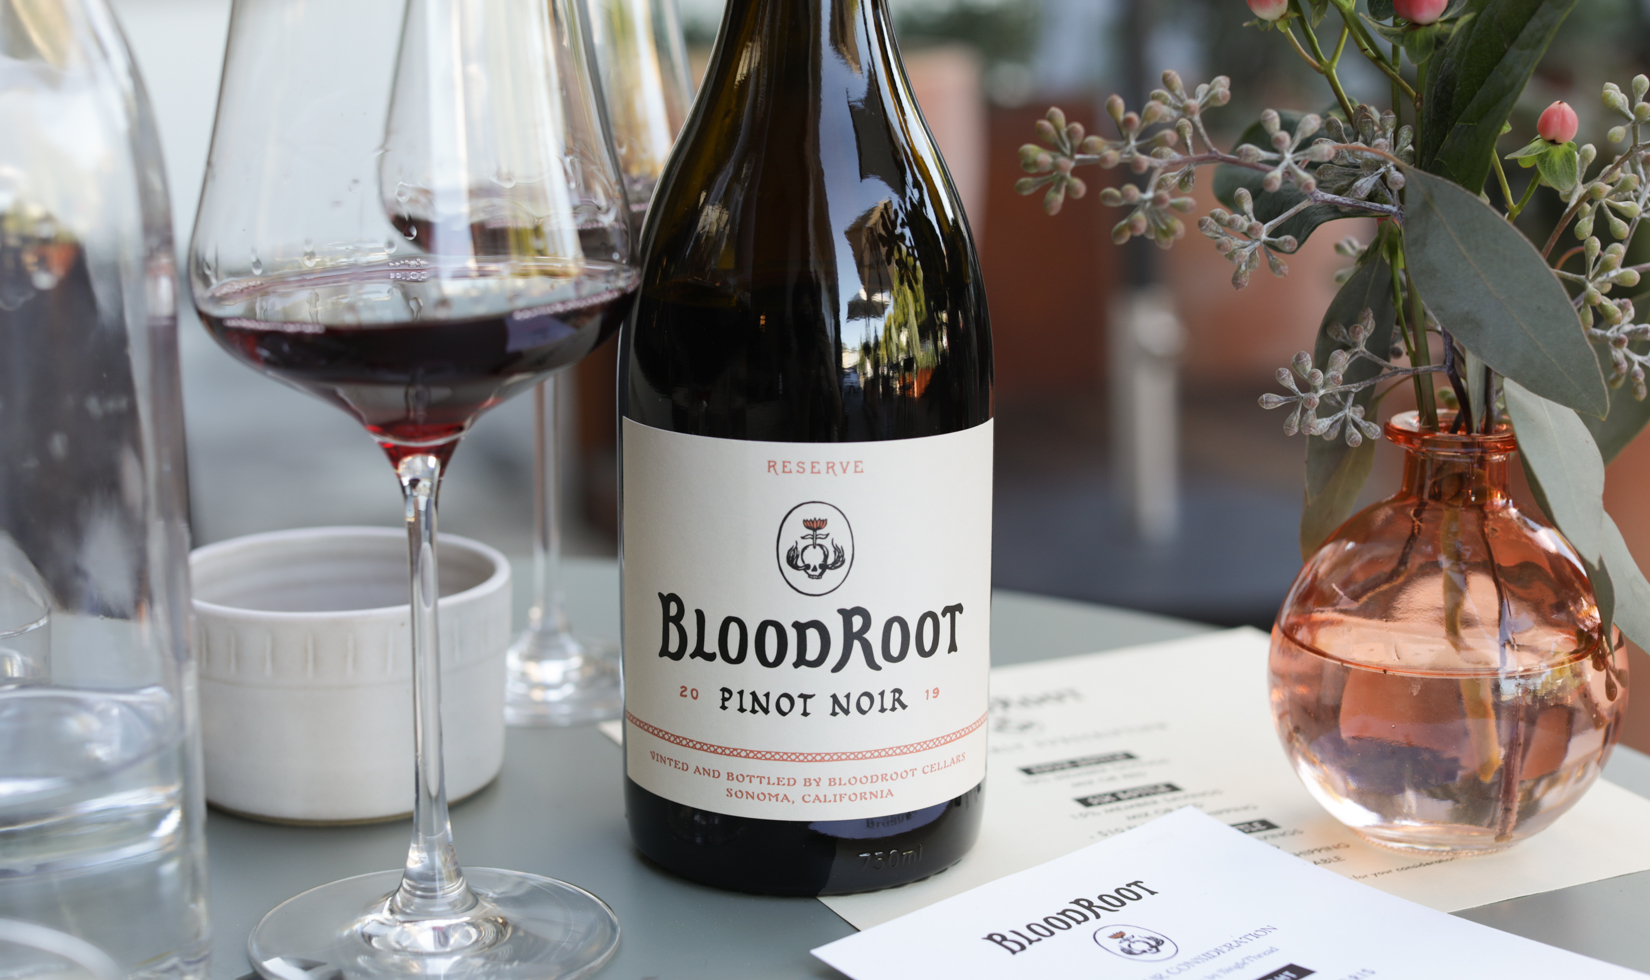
x: 805, y: 403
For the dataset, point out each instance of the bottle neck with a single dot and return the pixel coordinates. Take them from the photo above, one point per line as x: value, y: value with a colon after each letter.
x: 798, y: 39
x: 1457, y: 477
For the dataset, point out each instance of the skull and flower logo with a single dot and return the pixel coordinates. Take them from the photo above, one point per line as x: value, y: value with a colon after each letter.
x: 1133, y: 942
x: 815, y: 548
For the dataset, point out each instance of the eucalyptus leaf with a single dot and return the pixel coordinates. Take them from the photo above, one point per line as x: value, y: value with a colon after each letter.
x: 1336, y: 472
x: 1270, y: 204
x: 1562, y: 458
x: 1490, y: 288
x: 1630, y: 593
x: 1475, y: 80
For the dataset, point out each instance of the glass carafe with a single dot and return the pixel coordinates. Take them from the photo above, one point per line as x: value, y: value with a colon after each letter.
x: 101, y: 849
x: 1440, y: 676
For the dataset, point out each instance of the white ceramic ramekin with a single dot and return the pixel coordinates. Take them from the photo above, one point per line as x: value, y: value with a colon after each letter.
x: 306, y: 671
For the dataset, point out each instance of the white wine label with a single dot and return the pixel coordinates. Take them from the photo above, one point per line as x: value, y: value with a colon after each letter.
x: 806, y: 625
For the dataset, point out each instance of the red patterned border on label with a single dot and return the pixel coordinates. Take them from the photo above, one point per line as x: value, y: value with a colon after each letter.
x: 768, y: 756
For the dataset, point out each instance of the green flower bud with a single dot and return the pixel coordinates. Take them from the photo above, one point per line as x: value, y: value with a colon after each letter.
x: 1056, y: 117
x: 1641, y: 112
x: 1076, y: 187
x: 1025, y: 185
x: 1120, y: 232
x: 1093, y: 145
x: 1616, y: 134
x: 1045, y: 131
x: 1114, y: 108
x: 1641, y: 85
x: 1618, y: 227
x: 1074, y: 133
x: 1111, y: 197
x: 1591, y: 249
x: 1054, y: 199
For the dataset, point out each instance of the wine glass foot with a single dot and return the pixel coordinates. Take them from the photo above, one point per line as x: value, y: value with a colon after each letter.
x: 556, y: 678
x: 525, y: 927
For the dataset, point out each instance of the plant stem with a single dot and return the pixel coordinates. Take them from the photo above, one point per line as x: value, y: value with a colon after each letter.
x: 1420, y: 355
x: 1463, y: 417
x: 1325, y: 66
x: 1506, y: 191
x: 1311, y: 62
x: 1418, y: 378
x: 1398, y: 93
x: 1529, y: 192
x: 1366, y: 44
x: 1488, y: 424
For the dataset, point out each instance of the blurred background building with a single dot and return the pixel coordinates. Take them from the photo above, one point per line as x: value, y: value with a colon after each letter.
x: 263, y: 457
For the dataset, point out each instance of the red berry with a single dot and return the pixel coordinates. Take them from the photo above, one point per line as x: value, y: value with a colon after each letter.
x: 1558, y: 124
x: 1420, y: 11
x: 1269, y: 9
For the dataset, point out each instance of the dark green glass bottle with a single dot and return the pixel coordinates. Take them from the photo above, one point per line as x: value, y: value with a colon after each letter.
x: 808, y: 278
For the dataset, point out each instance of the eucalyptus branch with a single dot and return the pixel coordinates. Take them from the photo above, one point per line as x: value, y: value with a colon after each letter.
x: 1325, y: 402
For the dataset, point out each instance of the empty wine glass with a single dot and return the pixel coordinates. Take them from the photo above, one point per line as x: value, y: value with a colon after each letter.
x: 413, y: 211
x: 557, y: 677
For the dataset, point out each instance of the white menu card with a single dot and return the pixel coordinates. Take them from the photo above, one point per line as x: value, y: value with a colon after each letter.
x: 1187, y: 897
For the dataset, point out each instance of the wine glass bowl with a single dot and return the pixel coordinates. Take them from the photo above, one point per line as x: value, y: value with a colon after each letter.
x: 413, y: 211
x: 417, y: 348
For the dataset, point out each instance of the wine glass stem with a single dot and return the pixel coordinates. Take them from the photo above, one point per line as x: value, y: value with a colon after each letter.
x: 432, y: 886
x: 546, y: 614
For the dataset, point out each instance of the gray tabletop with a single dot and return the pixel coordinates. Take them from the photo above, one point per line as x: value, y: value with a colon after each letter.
x: 558, y: 810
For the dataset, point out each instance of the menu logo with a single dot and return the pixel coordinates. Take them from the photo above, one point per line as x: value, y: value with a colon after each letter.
x: 815, y: 548
x: 1135, y: 943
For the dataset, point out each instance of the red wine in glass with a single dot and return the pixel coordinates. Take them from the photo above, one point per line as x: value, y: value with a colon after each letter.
x: 432, y: 355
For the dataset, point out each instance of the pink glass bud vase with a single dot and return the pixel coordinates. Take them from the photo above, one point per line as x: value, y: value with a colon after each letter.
x: 1440, y: 677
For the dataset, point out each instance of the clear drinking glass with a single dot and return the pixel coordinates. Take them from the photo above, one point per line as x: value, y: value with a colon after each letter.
x: 102, y: 862
x: 555, y: 676
x: 412, y: 210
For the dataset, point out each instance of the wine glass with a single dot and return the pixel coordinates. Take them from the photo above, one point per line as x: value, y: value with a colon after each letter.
x: 412, y: 211
x: 557, y: 677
